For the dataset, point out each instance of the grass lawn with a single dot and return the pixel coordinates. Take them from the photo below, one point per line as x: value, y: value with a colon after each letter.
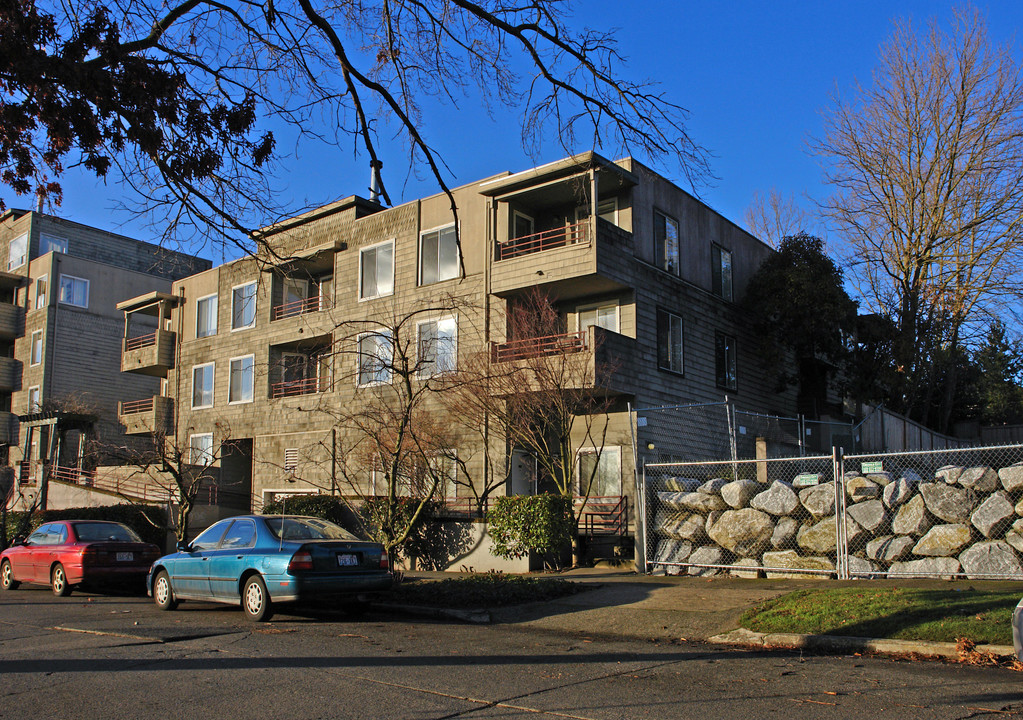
x: 942, y: 615
x: 481, y: 591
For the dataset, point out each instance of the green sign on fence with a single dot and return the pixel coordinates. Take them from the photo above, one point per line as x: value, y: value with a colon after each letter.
x: 871, y: 467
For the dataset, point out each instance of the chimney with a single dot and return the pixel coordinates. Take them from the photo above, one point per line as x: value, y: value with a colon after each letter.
x: 374, y: 180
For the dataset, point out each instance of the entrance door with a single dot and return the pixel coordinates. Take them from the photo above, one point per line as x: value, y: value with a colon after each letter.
x: 523, y: 474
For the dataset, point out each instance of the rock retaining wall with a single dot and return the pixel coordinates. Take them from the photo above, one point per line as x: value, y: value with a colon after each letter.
x: 956, y: 521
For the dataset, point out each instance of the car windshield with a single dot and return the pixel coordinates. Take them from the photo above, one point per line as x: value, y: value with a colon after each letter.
x: 306, y: 528
x: 92, y: 532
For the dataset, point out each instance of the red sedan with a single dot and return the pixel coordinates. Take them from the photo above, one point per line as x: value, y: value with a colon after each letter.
x: 71, y: 552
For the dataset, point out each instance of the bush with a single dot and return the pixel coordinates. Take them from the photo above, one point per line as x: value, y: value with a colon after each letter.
x: 152, y: 530
x: 328, y: 507
x: 520, y: 524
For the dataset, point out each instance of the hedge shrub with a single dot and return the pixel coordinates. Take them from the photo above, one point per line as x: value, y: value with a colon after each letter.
x: 520, y: 524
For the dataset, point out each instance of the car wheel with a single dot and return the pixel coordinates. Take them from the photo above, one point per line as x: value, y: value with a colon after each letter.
x: 163, y: 593
x: 7, y: 581
x: 256, y: 600
x: 58, y: 581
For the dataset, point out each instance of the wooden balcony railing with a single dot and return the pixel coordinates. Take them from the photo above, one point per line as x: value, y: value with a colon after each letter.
x: 137, y: 406
x: 544, y: 240
x: 299, y: 307
x: 290, y: 388
x: 537, y: 347
x: 140, y: 341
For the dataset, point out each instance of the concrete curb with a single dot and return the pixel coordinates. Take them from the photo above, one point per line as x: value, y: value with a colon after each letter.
x: 942, y: 650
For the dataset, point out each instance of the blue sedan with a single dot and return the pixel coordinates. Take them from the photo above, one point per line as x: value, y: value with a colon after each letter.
x: 257, y: 561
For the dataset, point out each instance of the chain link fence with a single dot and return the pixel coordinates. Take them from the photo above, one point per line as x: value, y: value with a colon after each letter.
x: 944, y: 514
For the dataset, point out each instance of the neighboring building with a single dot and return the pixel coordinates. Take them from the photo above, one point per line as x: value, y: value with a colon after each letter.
x: 61, y: 337
x: 260, y: 351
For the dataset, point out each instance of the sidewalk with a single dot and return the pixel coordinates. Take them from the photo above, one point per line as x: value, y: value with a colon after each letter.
x: 623, y: 603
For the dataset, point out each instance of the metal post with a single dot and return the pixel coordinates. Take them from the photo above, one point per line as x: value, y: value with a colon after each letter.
x: 841, y: 534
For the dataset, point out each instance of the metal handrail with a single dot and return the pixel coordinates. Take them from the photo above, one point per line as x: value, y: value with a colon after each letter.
x: 289, y: 388
x: 544, y: 240
x: 613, y: 514
x: 539, y: 346
x: 138, y: 406
x: 299, y: 307
x: 140, y: 341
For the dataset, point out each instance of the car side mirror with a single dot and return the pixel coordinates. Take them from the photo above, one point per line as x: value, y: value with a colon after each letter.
x: 184, y: 546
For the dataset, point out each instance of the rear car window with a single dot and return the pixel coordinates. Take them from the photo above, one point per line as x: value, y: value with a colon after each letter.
x: 304, y: 528
x: 98, y: 532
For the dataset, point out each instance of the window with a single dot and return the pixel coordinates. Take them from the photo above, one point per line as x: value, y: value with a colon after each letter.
x: 375, y: 357
x: 438, y: 256
x: 666, y: 242
x: 74, y: 291
x: 16, y: 252
x: 243, y: 306
x: 52, y: 243
x: 41, y: 283
x: 607, y: 209
x: 202, y: 386
x: 210, y: 537
x: 669, y: 342
x: 240, y: 386
x: 438, y: 346
x: 242, y: 534
x: 600, y: 472
x: 200, y: 449
x: 523, y: 225
x: 725, y: 361
x: 36, y: 355
x: 604, y: 315
x: 33, y: 399
x: 721, y: 284
x: 290, y: 459
x: 206, y: 316
x: 376, y: 271
x: 445, y: 467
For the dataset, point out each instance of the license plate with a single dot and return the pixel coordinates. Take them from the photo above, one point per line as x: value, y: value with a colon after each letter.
x: 125, y: 557
x: 347, y: 559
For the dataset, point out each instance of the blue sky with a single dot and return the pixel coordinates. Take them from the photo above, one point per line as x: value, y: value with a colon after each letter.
x: 753, y: 75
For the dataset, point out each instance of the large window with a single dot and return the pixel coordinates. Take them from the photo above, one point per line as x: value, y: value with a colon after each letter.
x: 202, y: 386
x: 438, y: 256
x: 34, y: 402
x: 74, y: 291
x: 725, y: 361
x: 607, y: 209
x: 376, y: 352
x: 240, y: 389
x: 52, y: 243
x: 438, y: 346
x: 16, y: 252
x: 36, y: 356
x: 243, y: 306
x: 666, y: 242
x: 669, y: 342
x: 603, y: 315
x: 376, y: 271
x: 206, y: 316
x: 600, y: 472
x: 721, y: 260
x: 200, y: 449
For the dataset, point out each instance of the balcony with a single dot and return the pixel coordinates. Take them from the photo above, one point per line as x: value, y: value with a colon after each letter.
x: 293, y: 388
x: 12, y: 321
x: 573, y: 260
x: 149, y: 354
x: 591, y: 359
x: 10, y: 374
x: 295, y: 308
x: 149, y: 416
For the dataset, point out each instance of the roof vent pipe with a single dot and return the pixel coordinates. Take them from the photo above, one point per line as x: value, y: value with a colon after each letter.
x: 374, y: 180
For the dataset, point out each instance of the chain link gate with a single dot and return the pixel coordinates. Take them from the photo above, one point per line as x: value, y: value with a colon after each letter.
x: 948, y: 513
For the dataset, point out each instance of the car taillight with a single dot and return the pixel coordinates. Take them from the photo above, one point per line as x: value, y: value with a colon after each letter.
x: 385, y: 562
x: 302, y: 560
x: 89, y: 555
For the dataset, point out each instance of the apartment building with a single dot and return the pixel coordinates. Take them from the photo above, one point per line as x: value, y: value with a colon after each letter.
x: 262, y: 356
x: 61, y: 337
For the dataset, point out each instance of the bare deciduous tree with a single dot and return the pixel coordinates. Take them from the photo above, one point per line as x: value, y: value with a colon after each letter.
x: 927, y: 162
x: 776, y: 216
x: 182, y: 98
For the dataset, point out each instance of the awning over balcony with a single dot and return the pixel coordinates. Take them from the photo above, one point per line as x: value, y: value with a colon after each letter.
x: 548, y: 186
